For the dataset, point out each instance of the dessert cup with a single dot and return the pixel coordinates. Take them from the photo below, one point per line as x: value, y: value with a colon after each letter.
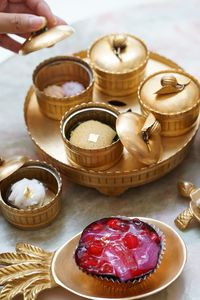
x: 174, y: 98
x: 119, y: 62
x: 102, y: 158
x: 57, y: 71
x: 37, y: 216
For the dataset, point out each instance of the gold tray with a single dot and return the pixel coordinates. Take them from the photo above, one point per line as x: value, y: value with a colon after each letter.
x: 60, y: 269
x: 45, y: 134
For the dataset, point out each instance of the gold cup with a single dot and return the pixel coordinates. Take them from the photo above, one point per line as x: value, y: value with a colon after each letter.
x: 36, y: 217
x: 99, y: 159
x: 119, y: 62
x: 58, y: 70
x: 174, y: 98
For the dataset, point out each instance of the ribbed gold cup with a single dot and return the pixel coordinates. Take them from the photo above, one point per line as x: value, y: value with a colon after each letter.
x: 122, y: 83
x: 99, y: 159
x: 175, y: 123
x: 37, y: 217
x: 58, y: 70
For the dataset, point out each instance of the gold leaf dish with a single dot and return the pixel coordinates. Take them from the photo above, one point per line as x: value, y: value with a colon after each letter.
x: 31, y: 270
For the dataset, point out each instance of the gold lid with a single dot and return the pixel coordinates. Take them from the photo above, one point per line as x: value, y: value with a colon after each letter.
x: 140, y: 136
x: 118, y: 53
x: 46, y: 38
x: 8, y: 167
x: 169, y: 92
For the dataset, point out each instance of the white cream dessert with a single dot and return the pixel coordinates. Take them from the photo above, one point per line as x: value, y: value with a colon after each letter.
x: 54, y: 91
x: 68, y: 89
x: 26, y: 193
x: 92, y: 135
x: 72, y: 88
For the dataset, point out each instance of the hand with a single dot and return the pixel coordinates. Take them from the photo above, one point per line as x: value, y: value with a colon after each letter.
x: 22, y: 17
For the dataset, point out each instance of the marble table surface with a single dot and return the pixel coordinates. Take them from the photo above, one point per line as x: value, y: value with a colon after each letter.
x: 169, y: 27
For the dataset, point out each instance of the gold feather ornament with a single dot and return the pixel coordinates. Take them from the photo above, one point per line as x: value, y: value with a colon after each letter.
x: 26, y: 272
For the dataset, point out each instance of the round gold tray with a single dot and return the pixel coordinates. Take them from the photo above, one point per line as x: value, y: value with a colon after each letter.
x: 45, y: 134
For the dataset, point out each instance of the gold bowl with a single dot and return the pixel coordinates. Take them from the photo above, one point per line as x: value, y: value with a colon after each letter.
x: 102, y: 158
x: 36, y: 217
x: 119, y: 62
x: 58, y: 70
x: 174, y: 98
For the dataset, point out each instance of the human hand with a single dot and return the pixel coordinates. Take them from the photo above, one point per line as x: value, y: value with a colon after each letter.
x: 22, y: 17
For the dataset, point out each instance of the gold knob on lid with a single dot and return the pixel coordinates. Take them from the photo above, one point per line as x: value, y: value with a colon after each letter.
x: 170, y: 85
x: 169, y: 80
x: 119, y: 44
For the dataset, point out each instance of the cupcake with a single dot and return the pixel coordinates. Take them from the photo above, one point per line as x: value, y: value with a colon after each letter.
x: 119, y: 249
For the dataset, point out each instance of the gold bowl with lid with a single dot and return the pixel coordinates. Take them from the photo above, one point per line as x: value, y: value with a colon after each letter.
x: 174, y: 98
x: 119, y: 62
x: 17, y: 168
x: 56, y: 71
x: 96, y: 159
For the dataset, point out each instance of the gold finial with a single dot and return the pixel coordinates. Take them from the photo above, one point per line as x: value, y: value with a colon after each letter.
x: 169, y: 80
x: 119, y: 44
x: 150, y: 127
x: 170, y: 85
x: 186, y: 188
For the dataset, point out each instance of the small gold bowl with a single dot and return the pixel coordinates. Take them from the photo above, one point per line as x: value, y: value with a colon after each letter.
x: 58, y: 70
x: 101, y: 158
x: 174, y: 99
x: 36, y: 217
x: 119, y: 62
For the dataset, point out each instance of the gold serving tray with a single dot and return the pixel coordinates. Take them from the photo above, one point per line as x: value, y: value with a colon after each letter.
x: 45, y: 134
x: 35, y: 270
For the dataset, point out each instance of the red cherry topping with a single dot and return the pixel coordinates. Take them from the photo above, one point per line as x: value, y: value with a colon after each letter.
x: 155, y: 238
x: 96, y: 248
x: 130, y: 241
x: 114, y: 224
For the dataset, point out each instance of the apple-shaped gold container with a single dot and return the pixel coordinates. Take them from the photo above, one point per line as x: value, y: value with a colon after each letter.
x: 57, y: 71
x: 102, y: 158
x: 119, y: 62
x: 17, y: 168
x: 140, y: 135
x: 174, y: 98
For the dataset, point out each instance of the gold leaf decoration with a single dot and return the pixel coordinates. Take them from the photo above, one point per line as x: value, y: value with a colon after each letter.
x: 13, y: 258
x: 26, y: 272
x: 30, y: 249
x: 35, y: 290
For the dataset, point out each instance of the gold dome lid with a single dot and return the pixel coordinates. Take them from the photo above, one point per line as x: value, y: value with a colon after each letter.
x: 46, y: 38
x: 118, y: 53
x: 140, y: 136
x: 169, y: 92
x: 8, y: 167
